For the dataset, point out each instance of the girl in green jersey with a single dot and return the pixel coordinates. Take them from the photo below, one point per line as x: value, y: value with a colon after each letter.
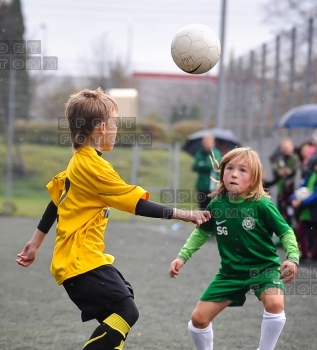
x: 243, y: 221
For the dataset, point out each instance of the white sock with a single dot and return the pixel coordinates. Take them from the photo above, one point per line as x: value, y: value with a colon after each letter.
x: 202, y: 338
x: 272, y: 326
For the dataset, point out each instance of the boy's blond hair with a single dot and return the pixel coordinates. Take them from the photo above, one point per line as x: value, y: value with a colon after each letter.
x: 85, y: 110
x: 252, y: 159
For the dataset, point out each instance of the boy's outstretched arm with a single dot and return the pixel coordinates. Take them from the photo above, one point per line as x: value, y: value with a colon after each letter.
x: 197, y: 217
x: 28, y: 254
x: 157, y: 210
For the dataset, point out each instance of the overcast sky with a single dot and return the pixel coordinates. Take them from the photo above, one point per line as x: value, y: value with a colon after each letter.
x: 138, y: 32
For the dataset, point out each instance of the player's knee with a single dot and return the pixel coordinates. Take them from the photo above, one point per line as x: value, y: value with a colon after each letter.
x: 131, y: 314
x: 273, y: 300
x: 127, y: 309
x: 274, y: 305
x: 274, y: 308
x: 199, y: 320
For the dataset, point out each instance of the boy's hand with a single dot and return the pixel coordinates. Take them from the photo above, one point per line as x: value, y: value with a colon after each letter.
x: 27, y: 256
x: 197, y: 217
x: 288, y: 271
x: 175, y: 267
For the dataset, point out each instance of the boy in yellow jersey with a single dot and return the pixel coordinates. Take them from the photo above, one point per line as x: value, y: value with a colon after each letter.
x: 82, y: 196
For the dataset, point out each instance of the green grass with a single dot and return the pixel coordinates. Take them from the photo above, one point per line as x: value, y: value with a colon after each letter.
x: 28, y: 206
x: 29, y: 194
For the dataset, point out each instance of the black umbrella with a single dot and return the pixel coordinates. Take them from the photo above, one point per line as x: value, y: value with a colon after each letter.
x: 304, y: 116
x: 225, y: 140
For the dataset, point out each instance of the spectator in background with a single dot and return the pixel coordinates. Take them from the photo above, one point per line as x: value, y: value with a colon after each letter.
x: 206, y: 171
x: 306, y: 150
x: 284, y: 169
x: 306, y: 229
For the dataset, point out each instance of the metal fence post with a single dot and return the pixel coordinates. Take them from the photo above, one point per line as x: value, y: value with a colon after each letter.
x: 177, y: 148
x: 292, y: 69
x: 230, y: 98
x: 135, y: 165
x: 250, y: 94
x: 276, y: 93
x: 10, y: 140
x: 308, y: 80
x: 262, y: 97
x: 238, y: 116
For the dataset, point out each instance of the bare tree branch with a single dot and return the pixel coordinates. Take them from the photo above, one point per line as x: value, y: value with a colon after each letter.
x: 282, y: 15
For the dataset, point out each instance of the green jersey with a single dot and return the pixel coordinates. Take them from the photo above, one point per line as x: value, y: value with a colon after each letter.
x: 306, y: 213
x: 204, y: 167
x: 244, y: 231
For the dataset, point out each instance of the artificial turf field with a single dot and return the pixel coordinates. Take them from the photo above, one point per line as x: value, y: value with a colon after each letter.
x: 36, y: 314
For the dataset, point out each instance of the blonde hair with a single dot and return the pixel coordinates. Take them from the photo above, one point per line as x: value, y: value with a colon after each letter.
x: 85, y: 110
x: 253, y: 161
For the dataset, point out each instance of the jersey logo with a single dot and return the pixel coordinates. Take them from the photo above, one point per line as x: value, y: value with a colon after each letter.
x: 248, y: 223
x: 220, y: 222
x: 277, y: 282
x: 222, y: 230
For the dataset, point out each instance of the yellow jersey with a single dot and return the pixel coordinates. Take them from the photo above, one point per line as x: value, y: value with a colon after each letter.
x: 83, y: 195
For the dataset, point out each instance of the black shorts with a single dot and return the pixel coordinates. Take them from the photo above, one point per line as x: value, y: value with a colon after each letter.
x: 95, y: 291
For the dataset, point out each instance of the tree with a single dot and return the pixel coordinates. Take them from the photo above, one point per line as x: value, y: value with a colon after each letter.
x: 104, y: 72
x: 155, y: 116
x: 178, y: 113
x: 184, y: 112
x: 284, y: 14
x: 118, y: 76
x: 195, y: 113
x: 12, y: 28
x: 51, y: 106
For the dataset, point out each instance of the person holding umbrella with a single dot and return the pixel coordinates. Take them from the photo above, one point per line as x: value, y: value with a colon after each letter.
x: 207, y: 175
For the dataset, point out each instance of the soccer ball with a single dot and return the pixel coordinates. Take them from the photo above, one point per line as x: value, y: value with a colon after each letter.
x: 302, y: 193
x: 195, y: 48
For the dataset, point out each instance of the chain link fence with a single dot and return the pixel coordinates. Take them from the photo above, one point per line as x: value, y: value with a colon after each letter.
x: 262, y: 85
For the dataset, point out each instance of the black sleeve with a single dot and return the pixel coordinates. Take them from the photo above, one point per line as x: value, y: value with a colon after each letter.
x: 153, y: 210
x: 48, y: 218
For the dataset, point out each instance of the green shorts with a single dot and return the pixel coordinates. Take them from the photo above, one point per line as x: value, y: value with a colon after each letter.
x: 235, y: 288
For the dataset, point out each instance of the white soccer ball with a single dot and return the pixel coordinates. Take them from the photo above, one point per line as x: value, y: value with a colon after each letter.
x: 195, y: 48
x: 302, y: 193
